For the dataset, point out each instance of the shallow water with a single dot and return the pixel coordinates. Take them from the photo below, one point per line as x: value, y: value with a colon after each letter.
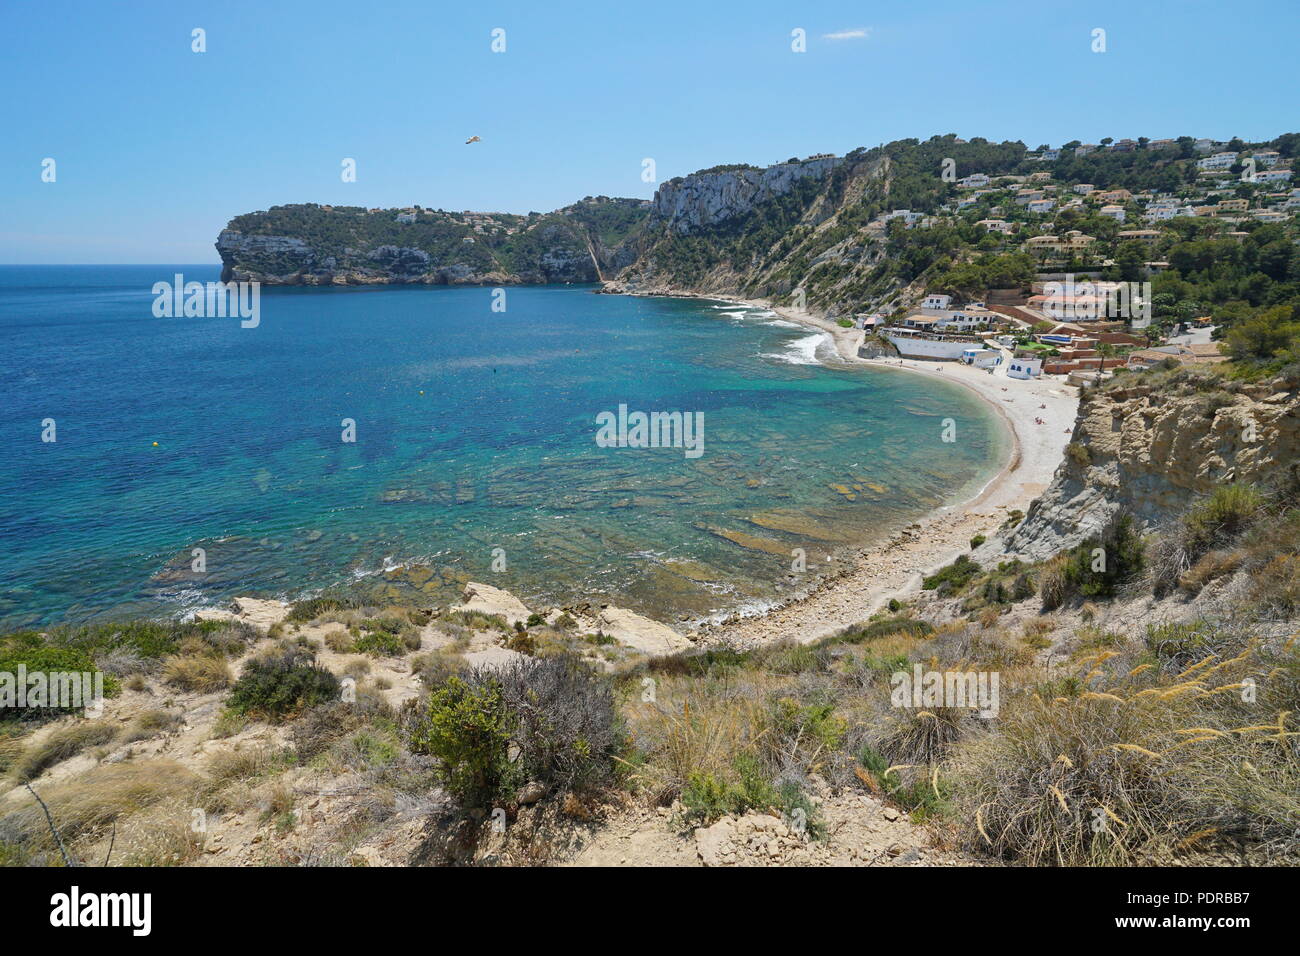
x: 475, y: 431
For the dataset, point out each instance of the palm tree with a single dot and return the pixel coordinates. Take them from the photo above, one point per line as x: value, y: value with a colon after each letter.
x: 1105, y: 350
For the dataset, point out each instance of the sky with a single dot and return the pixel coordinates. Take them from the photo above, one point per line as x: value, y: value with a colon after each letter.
x: 156, y: 146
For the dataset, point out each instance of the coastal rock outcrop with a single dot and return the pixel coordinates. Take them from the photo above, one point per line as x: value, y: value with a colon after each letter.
x: 1146, y: 449
x: 688, y: 203
x: 493, y: 602
x: 313, y: 244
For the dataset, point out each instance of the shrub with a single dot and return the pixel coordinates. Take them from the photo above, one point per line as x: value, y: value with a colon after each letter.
x: 707, y: 797
x: 976, y: 541
x: 1096, y: 568
x: 554, y: 716
x: 1078, y: 453
x: 1220, y: 518
x: 952, y: 578
x: 522, y: 642
x: 467, y: 728
x: 379, y: 644
x: 910, y: 787
x: 281, y: 684
x: 340, y: 642
x: 29, y: 650
x: 1120, y: 559
x: 309, y: 610
x: 123, y: 662
x: 885, y: 627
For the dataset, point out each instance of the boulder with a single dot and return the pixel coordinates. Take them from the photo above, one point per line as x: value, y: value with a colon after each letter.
x: 485, y: 599
x: 640, y: 633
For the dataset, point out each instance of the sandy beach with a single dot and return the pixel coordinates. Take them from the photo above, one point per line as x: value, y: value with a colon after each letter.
x: 1040, y: 416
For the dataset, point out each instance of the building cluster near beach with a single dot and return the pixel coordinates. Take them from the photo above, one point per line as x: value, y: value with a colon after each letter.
x: 1031, y: 338
x: 1088, y: 310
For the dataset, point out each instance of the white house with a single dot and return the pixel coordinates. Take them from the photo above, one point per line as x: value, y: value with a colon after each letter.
x: 1267, y: 157
x: 1083, y: 149
x: 1113, y: 211
x: 908, y: 217
x: 1024, y: 368
x: 997, y: 225
x: 1040, y: 205
x: 936, y: 300
x: 406, y: 217
x: 973, y: 181
x: 1272, y: 175
x: 982, y: 358
x: 1217, y: 161
x: 1160, y: 213
x: 1084, y: 188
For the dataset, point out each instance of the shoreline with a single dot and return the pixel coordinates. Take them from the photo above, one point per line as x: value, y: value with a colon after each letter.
x: 895, y: 566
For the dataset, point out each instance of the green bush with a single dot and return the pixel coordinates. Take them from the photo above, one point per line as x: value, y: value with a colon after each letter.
x: 1102, y: 564
x: 915, y: 794
x: 30, y: 650
x: 280, y: 685
x: 379, y: 644
x: 952, y: 578
x: 312, y: 608
x: 976, y: 541
x: 885, y: 627
x: 467, y: 727
x: 1221, y: 517
x: 707, y: 797
x: 556, y: 713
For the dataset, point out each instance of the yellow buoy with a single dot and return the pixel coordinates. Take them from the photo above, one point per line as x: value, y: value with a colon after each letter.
x: 155, y: 444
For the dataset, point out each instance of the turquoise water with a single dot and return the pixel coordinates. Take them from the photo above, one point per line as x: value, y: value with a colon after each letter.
x: 475, y: 431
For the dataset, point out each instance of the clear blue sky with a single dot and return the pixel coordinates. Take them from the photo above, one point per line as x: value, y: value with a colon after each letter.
x: 157, y: 147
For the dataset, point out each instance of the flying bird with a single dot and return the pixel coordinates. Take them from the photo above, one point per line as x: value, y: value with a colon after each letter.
x: 472, y: 139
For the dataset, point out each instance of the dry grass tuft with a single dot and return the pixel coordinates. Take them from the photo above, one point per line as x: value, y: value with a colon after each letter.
x: 60, y: 745
x: 198, y: 673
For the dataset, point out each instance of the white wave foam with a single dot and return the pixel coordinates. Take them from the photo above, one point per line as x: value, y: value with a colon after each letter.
x: 803, y: 351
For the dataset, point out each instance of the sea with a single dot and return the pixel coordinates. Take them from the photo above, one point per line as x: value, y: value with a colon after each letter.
x: 395, y: 442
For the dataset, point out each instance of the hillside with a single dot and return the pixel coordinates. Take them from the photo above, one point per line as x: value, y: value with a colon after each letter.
x: 310, y: 244
x: 1213, y: 232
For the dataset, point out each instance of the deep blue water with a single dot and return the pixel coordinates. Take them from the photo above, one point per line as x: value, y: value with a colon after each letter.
x: 475, y: 431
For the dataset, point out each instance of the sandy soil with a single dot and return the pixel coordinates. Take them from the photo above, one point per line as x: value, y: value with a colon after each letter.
x: 1040, y: 416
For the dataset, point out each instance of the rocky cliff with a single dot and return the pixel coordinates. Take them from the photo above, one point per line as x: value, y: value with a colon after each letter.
x: 826, y: 233
x: 1150, y: 445
x: 690, y: 203
x: 310, y: 244
x: 821, y: 232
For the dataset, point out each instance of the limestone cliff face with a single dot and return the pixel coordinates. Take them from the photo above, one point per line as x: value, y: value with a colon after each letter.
x: 765, y: 233
x: 1147, y: 449
x: 690, y: 203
